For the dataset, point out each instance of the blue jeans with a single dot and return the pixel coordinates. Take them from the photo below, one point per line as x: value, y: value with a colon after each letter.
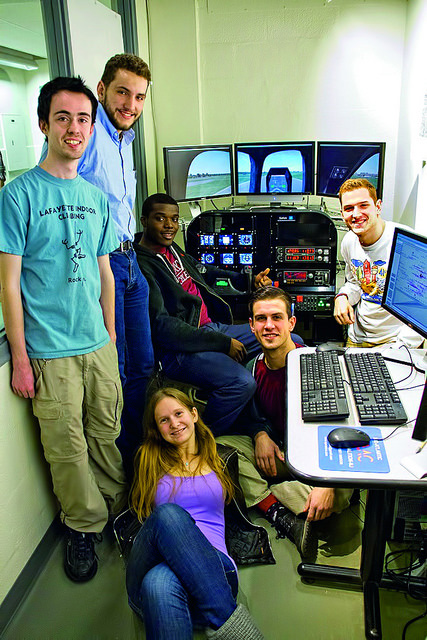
x: 231, y: 386
x: 134, y: 349
x: 176, y: 577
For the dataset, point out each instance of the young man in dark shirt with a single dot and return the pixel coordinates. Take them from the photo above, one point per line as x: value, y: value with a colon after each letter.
x: 290, y: 506
x: 191, y: 324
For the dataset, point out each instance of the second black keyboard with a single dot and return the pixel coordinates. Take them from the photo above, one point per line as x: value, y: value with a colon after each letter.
x: 376, y: 398
x: 322, y: 388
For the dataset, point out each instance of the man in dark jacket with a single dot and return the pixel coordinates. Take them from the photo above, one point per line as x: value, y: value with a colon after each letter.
x: 192, y: 329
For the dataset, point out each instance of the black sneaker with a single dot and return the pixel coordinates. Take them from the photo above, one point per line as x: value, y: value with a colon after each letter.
x: 298, y: 530
x: 80, y: 558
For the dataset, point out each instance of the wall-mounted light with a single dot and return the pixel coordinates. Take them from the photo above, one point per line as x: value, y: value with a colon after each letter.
x: 17, y: 59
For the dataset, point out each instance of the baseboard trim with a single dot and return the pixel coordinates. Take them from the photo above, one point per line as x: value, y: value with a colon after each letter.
x: 29, y: 574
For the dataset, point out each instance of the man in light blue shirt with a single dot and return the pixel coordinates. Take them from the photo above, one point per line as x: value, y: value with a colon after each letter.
x: 108, y: 164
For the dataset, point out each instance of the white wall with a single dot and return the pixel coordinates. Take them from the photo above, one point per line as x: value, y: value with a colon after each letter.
x: 411, y: 188
x: 301, y: 70
x: 19, y: 97
x: 13, y: 101
x: 34, y: 82
x: 96, y: 35
x: 27, y: 505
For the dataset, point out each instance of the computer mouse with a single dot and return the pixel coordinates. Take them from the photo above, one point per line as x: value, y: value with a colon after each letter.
x: 347, y: 438
x: 330, y: 346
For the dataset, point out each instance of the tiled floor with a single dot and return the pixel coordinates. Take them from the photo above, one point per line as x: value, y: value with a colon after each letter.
x: 283, y: 607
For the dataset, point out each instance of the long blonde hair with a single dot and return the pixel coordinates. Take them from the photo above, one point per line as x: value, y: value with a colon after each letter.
x: 156, y: 457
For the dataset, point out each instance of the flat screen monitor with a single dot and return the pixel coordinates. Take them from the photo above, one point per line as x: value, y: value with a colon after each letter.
x: 273, y: 168
x: 194, y: 173
x: 405, y: 290
x: 339, y: 161
x: 420, y: 427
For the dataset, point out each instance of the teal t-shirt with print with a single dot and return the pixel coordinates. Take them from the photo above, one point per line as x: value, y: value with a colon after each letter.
x: 60, y: 228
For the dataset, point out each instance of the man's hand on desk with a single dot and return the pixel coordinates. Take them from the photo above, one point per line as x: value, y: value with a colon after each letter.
x: 343, y: 311
x: 266, y: 451
x: 319, y: 503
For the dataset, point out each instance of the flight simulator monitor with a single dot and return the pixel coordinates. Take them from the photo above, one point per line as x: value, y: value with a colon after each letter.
x: 281, y: 168
x: 405, y: 291
x: 193, y: 173
x: 339, y: 161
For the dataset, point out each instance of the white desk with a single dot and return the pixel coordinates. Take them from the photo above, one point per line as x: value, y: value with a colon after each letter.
x: 303, y: 460
x: 302, y: 447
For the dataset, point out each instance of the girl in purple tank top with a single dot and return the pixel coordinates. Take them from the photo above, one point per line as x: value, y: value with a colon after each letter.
x: 179, y: 573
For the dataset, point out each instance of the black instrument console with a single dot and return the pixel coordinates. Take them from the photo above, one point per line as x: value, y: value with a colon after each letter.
x: 298, y: 244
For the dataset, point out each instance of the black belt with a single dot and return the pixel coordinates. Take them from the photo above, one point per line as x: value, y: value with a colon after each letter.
x: 124, y: 246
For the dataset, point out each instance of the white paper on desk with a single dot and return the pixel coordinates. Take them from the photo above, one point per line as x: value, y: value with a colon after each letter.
x: 416, y: 463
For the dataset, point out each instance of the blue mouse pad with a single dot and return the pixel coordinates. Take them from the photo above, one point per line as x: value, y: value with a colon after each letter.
x: 370, y: 459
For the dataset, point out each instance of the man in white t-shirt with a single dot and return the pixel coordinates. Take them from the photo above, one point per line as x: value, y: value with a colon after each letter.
x: 366, y: 251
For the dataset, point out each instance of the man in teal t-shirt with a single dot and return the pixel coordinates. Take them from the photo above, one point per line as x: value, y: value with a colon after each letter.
x: 58, y: 306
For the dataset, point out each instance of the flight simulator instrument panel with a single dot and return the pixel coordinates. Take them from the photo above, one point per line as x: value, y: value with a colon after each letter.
x: 299, y: 246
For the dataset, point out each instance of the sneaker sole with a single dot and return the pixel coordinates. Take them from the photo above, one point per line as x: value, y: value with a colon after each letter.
x: 309, y: 543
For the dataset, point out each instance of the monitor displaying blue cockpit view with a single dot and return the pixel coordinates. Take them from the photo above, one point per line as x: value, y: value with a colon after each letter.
x: 405, y: 291
x: 246, y: 258
x: 207, y: 258
x: 194, y: 173
x: 274, y: 168
x: 340, y: 161
x: 245, y: 239
x: 225, y: 240
x: 207, y: 240
x: 226, y: 258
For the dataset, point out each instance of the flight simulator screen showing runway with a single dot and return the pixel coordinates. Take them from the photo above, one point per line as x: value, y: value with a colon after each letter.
x: 270, y: 168
x: 192, y: 173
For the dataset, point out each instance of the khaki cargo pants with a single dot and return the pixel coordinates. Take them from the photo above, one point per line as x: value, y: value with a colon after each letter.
x: 78, y: 403
x: 291, y: 493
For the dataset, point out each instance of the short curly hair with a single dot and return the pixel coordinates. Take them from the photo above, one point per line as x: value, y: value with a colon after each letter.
x: 128, y: 62
x: 358, y: 183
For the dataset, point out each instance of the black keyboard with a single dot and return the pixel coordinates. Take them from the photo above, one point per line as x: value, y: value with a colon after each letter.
x: 376, y: 398
x: 322, y: 387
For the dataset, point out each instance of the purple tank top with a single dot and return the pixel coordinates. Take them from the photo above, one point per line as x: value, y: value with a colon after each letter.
x: 202, y: 497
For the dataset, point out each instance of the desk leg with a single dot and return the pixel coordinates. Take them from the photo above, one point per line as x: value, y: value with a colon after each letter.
x: 378, y: 520
x: 377, y: 526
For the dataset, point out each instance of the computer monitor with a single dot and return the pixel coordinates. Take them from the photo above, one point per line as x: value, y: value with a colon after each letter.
x: 405, y: 290
x: 405, y: 296
x: 339, y: 161
x: 274, y: 168
x: 420, y: 428
x: 194, y: 173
